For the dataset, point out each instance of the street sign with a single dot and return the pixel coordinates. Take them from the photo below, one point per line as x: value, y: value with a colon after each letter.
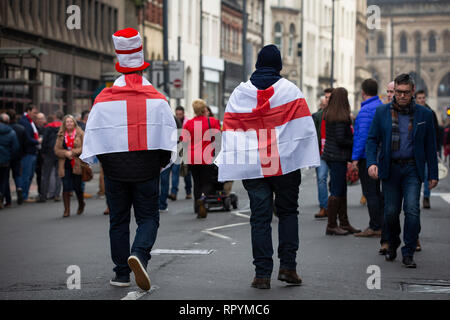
x: 176, y: 77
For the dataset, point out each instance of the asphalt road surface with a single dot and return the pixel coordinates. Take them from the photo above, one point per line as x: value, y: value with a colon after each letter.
x: 40, y: 251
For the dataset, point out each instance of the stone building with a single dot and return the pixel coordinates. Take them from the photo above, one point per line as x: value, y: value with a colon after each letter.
x: 420, y: 46
x: 67, y: 74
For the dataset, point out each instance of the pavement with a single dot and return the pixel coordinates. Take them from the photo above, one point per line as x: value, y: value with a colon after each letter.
x: 40, y: 250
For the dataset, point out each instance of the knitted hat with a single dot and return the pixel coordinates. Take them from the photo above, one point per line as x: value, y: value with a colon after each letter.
x: 129, y: 51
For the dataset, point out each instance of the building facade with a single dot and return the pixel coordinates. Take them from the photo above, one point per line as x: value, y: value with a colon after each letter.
x: 420, y: 46
x: 71, y: 68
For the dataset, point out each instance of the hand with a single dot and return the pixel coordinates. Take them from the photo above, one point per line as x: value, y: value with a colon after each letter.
x: 355, y: 164
x: 69, y: 155
x: 373, y: 171
x: 432, y: 184
x: 40, y: 140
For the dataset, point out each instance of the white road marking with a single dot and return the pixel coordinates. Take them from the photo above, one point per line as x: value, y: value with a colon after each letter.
x: 221, y: 236
x: 444, y: 196
x: 135, y: 295
x: 182, y: 251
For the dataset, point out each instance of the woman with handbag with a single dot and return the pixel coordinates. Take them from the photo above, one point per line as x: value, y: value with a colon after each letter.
x: 200, y: 162
x: 337, y: 153
x: 68, y: 148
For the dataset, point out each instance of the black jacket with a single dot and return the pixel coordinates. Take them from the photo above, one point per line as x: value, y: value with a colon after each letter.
x: 135, y: 166
x: 339, y: 142
x: 20, y: 133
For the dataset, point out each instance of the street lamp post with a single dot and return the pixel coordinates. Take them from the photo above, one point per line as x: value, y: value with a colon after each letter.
x: 332, y: 49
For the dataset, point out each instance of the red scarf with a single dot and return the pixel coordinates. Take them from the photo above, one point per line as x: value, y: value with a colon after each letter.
x: 35, y: 132
x: 323, y: 134
x: 70, y: 141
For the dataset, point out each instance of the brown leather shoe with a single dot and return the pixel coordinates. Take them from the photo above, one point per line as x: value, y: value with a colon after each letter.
x: 426, y: 203
x: 261, y: 283
x: 322, y: 214
x: 363, y: 200
x: 106, y: 212
x: 189, y: 196
x: 172, y: 197
x: 368, y: 233
x: 384, y: 248
x: 289, y: 276
x: 418, y: 247
x: 66, y: 201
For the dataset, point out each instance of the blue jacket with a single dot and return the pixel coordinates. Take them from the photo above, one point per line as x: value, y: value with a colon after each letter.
x: 362, y: 126
x: 31, y: 143
x: 9, y: 144
x: 424, y: 142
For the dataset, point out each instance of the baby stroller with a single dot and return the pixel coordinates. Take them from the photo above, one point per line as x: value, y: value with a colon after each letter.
x: 222, y: 198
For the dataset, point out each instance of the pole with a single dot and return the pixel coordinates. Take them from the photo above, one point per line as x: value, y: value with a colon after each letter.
x: 244, y: 40
x: 332, y: 49
x: 179, y: 59
x: 263, y: 22
x: 166, y: 45
x: 201, y: 51
x: 392, y: 48
x: 301, y: 41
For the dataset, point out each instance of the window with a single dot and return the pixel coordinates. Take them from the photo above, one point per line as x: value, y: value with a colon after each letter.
x: 380, y: 44
x: 446, y: 41
x: 279, y: 36
x: 291, y: 40
x: 432, y: 42
x: 403, y: 43
x: 418, y: 40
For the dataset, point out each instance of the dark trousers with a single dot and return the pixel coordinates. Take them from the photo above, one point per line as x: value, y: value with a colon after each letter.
x: 371, y: 189
x: 4, y: 181
x: 16, y: 169
x: 260, y: 192
x: 338, y: 178
x: 404, y: 186
x: 143, y: 196
x: 71, y: 182
x: 203, y: 179
x: 49, y: 166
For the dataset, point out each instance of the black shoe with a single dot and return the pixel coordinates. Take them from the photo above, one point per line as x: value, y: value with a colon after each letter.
x: 41, y: 200
x: 19, y: 196
x: 426, y: 203
x: 408, y: 262
x: 120, y: 281
x: 391, y: 254
x: 140, y: 272
x: 261, y: 283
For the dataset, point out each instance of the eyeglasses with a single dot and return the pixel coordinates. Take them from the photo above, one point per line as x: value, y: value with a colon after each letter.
x: 401, y: 93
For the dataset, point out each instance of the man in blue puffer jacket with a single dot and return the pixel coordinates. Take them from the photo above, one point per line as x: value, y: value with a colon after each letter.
x: 9, y: 147
x: 370, y: 187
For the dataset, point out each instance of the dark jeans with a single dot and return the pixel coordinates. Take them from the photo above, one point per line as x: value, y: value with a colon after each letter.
x: 338, y: 178
x: 203, y: 179
x: 260, y: 192
x: 49, y: 166
x: 71, y: 182
x: 28, y: 169
x: 16, y: 169
x: 143, y: 196
x: 372, y: 191
x: 4, y: 181
x: 403, y: 185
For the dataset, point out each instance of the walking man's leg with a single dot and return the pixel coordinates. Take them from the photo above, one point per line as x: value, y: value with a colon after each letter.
x: 322, y: 188
x: 175, y: 181
x: 164, y: 176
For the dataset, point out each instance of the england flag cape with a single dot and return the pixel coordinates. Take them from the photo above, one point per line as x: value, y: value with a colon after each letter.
x: 266, y: 133
x: 129, y: 116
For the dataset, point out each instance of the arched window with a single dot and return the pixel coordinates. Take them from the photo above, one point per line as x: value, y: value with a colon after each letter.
x: 279, y: 36
x: 403, y: 43
x: 444, y: 86
x: 446, y: 38
x: 418, y: 42
x: 380, y: 44
x: 291, y: 40
x: 432, y: 42
x: 419, y: 82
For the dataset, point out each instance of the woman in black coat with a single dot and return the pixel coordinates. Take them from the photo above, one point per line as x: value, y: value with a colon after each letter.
x: 337, y: 153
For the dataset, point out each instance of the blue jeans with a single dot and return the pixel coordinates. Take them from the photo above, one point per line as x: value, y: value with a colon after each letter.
x: 143, y: 196
x: 188, y: 183
x: 260, y: 192
x: 403, y: 185
x: 426, y: 190
x: 338, y: 178
x: 322, y: 187
x: 175, y: 169
x: 28, y: 169
x: 164, y: 191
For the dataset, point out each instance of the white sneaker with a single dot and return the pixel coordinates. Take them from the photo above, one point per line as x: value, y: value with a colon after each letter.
x: 140, y: 274
x: 163, y: 210
x: 120, y: 282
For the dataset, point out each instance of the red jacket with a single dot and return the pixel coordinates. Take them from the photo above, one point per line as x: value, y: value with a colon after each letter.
x: 194, y: 135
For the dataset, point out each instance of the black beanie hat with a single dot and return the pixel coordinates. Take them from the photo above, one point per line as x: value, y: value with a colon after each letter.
x: 269, y: 56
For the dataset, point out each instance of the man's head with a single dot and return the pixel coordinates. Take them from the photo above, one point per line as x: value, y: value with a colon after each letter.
x: 390, y: 91
x: 327, y: 92
x: 40, y: 119
x: 322, y: 102
x: 269, y: 57
x: 32, y: 111
x: 59, y: 115
x: 179, y: 113
x: 4, y: 118
x: 84, y: 116
x: 404, y: 89
x: 421, y: 97
x: 369, y: 89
